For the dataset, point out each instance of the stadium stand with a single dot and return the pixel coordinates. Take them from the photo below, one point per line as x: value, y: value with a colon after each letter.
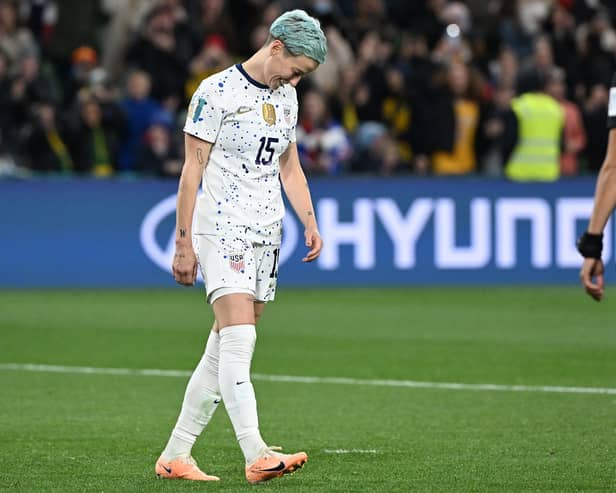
x: 425, y: 87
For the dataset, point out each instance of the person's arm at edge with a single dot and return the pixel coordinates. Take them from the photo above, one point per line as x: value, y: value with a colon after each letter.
x: 604, y: 204
x: 605, y: 192
x: 197, y: 152
x: 296, y: 188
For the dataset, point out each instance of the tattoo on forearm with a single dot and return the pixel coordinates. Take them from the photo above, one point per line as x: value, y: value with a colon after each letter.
x: 310, y: 213
x: 200, y: 157
x: 182, y: 233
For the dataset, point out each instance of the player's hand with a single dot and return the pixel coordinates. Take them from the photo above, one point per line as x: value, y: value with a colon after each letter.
x: 314, y: 242
x: 185, y: 265
x: 592, y: 269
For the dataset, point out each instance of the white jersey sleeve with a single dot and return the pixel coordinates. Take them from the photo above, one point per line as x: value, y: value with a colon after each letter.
x: 205, y: 112
x: 611, y: 109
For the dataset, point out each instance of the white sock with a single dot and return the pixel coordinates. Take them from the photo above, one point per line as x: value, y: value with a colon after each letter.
x: 237, y: 344
x: 201, y: 399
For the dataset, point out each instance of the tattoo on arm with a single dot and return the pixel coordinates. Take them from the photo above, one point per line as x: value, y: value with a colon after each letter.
x: 182, y: 233
x: 200, y: 157
x: 310, y: 213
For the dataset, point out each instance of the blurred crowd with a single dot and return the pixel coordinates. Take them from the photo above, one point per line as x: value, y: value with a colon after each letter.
x: 419, y: 87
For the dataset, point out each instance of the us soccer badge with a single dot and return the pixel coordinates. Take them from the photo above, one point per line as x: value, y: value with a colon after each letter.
x: 236, y: 262
x: 269, y: 113
x: 287, y: 114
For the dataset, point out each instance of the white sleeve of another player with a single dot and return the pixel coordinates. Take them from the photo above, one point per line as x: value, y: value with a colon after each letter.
x: 205, y: 113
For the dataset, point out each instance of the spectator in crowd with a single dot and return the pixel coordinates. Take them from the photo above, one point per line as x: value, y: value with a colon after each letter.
x: 322, y: 142
x: 213, y: 57
x: 376, y: 151
x: 368, y: 82
x: 27, y: 87
x: 368, y: 16
x: 505, y: 69
x: 339, y: 55
x: 214, y: 20
x: 397, y: 112
x: 43, y: 142
x: 84, y: 62
x: 574, y: 135
x: 512, y: 32
x: 15, y: 41
x: 158, y: 153
x: 536, y: 130
x: 595, y: 110
x: 93, y: 138
x: 126, y: 17
x: 164, y: 56
x: 493, y: 152
x: 540, y: 65
x: 560, y: 29
x: 139, y: 110
x: 596, y: 45
x: 456, y: 114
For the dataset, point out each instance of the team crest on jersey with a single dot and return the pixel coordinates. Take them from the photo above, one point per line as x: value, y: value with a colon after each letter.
x: 236, y: 262
x: 269, y: 113
x: 287, y: 114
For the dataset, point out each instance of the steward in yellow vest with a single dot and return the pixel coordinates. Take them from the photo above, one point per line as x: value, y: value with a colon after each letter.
x: 540, y: 121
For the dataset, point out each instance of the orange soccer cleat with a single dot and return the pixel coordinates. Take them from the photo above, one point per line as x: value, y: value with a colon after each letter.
x: 273, y: 464
x: 181, y: 468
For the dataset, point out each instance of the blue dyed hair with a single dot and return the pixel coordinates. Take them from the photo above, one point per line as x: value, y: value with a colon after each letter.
x: 301, y: 34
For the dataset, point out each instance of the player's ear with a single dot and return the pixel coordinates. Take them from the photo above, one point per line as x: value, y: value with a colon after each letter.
x: 276, y: 47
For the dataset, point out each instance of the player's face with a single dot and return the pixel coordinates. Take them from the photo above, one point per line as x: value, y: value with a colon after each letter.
x: 283, y: 68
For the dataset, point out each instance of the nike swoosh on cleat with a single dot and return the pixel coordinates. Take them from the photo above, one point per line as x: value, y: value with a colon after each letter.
x: 168, y: 469
x: 217, y: 401
x: 279, y: 467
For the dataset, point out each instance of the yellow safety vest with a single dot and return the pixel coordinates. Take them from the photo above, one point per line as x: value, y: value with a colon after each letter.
x: 540, y: 123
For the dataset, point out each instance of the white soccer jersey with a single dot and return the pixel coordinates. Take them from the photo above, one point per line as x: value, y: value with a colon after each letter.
x: 250, y: 126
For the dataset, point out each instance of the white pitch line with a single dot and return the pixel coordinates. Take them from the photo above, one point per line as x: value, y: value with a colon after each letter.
x: 319, y: 380
x: 350, y: 451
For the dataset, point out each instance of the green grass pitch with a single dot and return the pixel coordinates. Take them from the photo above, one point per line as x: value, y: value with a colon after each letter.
x: 69, y: 432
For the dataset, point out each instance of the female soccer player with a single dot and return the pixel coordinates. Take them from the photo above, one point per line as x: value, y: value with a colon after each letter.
x: 240, y: 140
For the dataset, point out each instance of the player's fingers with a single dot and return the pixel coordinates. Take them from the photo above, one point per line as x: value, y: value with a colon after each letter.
x: 183, y: 276
x: 311, y: 255
x: 593, y: 289
x: 600, y: 281
x: 595, y: 294
x: 194, y: 274
x: 314, y: 252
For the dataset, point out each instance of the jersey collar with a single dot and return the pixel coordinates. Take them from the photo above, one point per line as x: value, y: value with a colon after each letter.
x: 250, y: 79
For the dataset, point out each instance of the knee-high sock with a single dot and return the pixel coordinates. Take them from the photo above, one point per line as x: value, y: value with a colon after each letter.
x: 201, y: 399
x: 237, y: 344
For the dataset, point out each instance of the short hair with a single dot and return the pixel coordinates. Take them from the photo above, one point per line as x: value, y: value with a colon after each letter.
x: 301, y: 34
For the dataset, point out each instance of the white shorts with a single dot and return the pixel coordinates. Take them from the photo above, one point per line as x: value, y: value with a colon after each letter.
x: 237, y: 265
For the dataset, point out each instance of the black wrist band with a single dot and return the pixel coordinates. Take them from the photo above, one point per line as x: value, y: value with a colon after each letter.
x: 590, y: 245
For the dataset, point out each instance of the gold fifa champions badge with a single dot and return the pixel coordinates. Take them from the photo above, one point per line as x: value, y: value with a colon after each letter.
x: 269, y: 113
